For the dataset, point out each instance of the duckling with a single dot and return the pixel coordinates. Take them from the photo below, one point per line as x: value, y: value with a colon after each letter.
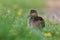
x: 35, y: 20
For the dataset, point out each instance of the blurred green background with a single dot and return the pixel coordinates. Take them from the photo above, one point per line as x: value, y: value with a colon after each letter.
x: 13, y: 21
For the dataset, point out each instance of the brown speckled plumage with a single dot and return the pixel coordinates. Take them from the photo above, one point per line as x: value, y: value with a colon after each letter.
x: 35, y: 21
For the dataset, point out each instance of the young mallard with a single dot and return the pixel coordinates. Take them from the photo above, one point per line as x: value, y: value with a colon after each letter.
x: 35, y: 20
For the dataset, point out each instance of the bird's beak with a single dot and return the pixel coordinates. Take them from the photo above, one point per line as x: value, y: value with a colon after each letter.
x: 33, y: 14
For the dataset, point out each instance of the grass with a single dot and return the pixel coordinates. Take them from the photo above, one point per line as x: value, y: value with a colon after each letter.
x: 13, y: 22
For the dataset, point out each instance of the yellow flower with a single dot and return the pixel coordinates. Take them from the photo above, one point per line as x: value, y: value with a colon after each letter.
x: 47, y: 34
x: 57, y: 32
x: 19, y: 12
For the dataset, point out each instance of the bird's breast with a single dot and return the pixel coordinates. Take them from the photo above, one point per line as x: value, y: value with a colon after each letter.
x: 35, y: 23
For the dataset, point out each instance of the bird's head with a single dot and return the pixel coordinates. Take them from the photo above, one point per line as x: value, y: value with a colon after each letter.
x: 33, y: 13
